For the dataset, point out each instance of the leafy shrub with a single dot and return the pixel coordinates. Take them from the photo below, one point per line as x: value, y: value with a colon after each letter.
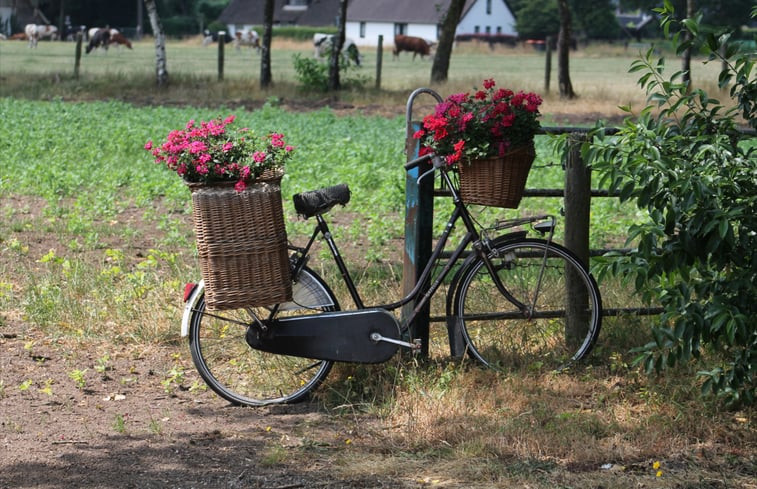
x: 313, y: 74
x: 684, y: 161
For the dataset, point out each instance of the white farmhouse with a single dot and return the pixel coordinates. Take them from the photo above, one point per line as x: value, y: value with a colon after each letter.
x: 368, y: 19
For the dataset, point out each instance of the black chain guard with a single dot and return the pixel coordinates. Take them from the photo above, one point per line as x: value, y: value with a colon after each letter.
x: 341, y: 336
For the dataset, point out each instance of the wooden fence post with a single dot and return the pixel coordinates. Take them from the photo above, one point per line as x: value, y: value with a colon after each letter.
x: 221, y: 43
x: 77, y: 55
x: 379, y: 60
x: 577, y: 211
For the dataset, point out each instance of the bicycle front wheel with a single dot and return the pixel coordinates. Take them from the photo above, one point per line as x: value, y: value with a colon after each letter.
x: 246, y: 376
x: 548, y: 316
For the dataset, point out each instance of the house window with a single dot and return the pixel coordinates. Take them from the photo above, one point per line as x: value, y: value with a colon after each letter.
x: 400, y: 29
x: 488, y: 29
x: 476, y: 29
x: 362, y: 29
x: 499, y: 29
x: 488, y: 7
x: 296, y: 5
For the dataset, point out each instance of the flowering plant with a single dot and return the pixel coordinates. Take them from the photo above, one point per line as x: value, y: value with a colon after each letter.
x: 487, y: 123
x: 212, y: 152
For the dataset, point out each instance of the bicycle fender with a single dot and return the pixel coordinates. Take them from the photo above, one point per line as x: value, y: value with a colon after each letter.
x: 189, y: 306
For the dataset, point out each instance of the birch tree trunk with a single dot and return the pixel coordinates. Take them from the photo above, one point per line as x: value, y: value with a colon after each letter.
x: 161, y: 72
x: 563, y: 51
x: 440, y: 67
x: 336, y: 48
x: 265, y: 49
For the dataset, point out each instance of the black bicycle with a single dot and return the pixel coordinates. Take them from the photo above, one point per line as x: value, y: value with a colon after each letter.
x: 516, y: 300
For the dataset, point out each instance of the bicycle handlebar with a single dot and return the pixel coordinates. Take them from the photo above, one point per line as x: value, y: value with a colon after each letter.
x: 413, y: 163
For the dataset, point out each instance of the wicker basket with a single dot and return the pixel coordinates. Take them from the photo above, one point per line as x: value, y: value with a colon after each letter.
x: 242, y: 243
x: 497, y: 181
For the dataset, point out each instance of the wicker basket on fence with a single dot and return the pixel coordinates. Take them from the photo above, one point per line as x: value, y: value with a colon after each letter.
x: 242, y: 243
x: 497, y: 181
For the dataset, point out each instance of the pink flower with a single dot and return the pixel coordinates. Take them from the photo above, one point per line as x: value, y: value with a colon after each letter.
x: 197, y: 146
x: 240, y: 186
x: 489, y: 83
x: 210, y: 151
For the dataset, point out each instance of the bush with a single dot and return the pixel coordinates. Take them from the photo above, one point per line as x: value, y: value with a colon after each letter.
x: 313, y: 74
x: 683, y: 160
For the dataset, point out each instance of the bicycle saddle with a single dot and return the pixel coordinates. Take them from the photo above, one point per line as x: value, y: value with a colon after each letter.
x: 315, y: 202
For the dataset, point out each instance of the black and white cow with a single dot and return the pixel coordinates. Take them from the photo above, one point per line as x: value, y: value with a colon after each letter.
x: 324, y: 42
x: 212, y: 37
x: 98, y: 38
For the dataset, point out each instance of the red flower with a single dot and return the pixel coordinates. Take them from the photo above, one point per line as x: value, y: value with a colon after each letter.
x: 481, y: 123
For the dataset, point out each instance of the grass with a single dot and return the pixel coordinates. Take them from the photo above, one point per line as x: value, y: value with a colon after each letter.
x: 75, y: 180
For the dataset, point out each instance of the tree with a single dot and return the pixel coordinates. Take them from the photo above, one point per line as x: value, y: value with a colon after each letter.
x: 265, y: 49
x: 681, y: 160
x: 336, y: 48
x: 440, y: 66
x: 161, y: 72
x: 595, y: 19
x: 563, y: 52
x: 537, y: 20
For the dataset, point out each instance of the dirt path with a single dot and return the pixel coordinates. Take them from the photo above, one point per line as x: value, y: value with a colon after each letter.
x: 125, y: 423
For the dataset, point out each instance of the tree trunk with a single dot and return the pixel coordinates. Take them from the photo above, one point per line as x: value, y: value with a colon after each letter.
x: 265, y: 49
x: 440, y: 67
x: 161, y: 72
x: 686, y: 57
x: 563, y: 52
x: 336, y: 48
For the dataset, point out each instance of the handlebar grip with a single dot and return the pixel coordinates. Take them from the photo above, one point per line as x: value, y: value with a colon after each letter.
x: 413, y: 163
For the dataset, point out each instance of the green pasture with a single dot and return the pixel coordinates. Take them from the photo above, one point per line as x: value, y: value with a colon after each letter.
x: 596, y: 71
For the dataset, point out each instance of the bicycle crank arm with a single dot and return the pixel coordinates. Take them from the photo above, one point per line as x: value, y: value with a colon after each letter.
x: 415, y: 346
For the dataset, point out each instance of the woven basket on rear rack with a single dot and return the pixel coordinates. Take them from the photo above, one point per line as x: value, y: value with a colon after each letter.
x: 242, y: 243
x: 497, y: 181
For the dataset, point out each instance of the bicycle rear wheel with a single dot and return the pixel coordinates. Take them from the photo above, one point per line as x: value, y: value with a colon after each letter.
x: 243, y: 375
x: 511, y: 330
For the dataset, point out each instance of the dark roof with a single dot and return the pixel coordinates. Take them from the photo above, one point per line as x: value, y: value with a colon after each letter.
x: 317, y: 13
x: 324, y: 12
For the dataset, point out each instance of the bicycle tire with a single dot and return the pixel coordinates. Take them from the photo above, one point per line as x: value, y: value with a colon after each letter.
x: 246, y: 376
x: 500, y: 332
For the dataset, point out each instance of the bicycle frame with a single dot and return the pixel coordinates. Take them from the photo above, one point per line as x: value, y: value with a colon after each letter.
x: 472, y: 237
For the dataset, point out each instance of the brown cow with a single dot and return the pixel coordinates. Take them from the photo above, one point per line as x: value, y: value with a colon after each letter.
x: 416, y: 45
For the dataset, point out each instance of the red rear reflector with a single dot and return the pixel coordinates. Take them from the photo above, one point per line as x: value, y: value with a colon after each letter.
x: 188, y: 288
